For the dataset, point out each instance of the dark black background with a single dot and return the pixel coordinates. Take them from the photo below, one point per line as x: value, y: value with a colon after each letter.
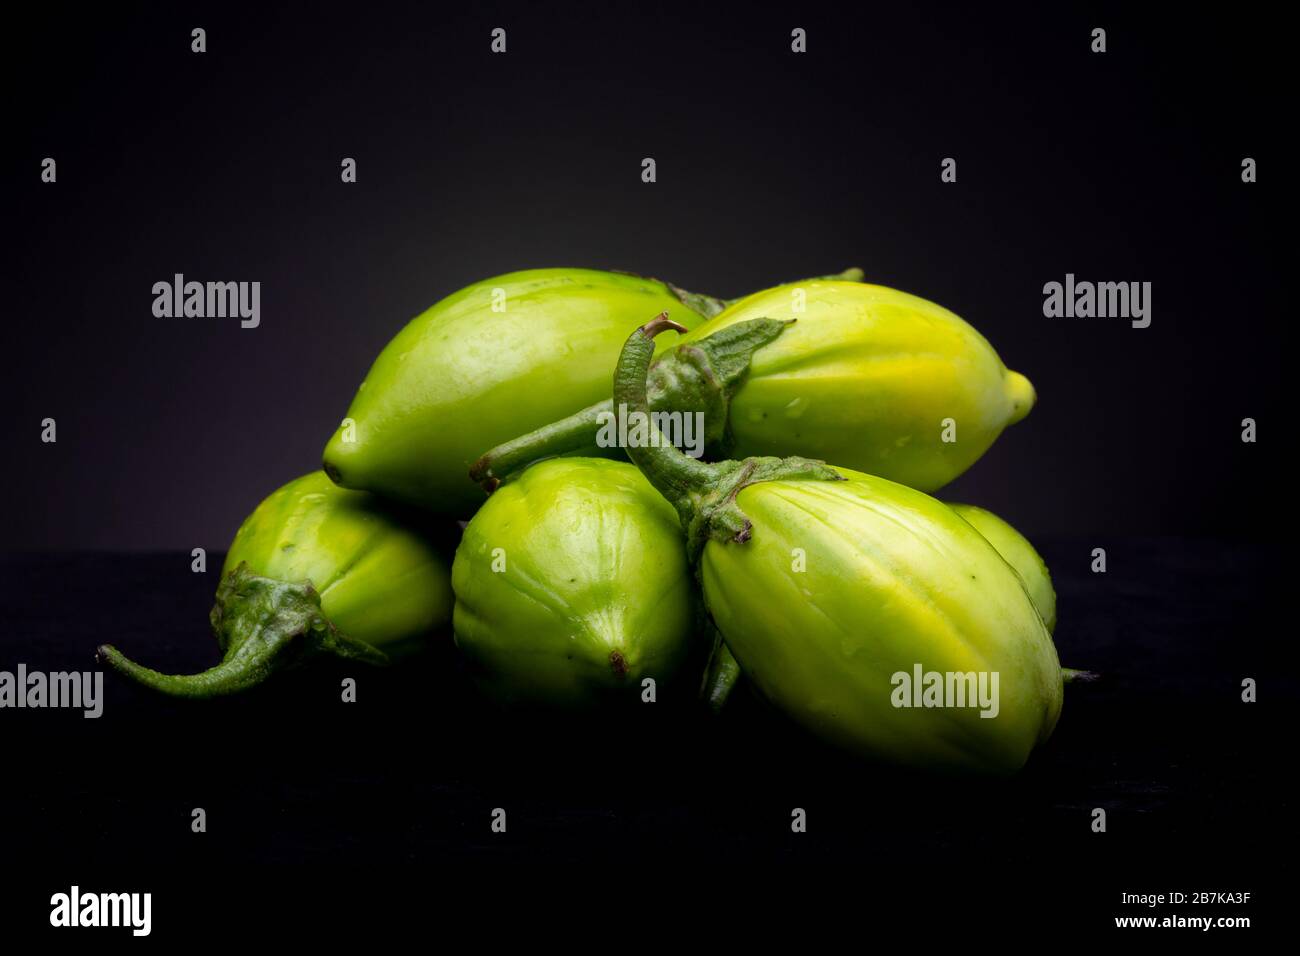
x: 324, y: 816
x: 771, y: 166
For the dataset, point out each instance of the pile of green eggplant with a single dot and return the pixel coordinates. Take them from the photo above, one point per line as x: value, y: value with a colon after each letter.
x: 793, y: 548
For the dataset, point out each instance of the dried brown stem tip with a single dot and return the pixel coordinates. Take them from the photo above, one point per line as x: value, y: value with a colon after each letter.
x: 659, y: 323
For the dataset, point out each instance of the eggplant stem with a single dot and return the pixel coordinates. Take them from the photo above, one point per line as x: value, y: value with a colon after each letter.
x: 1071, y: 675
x: 262, y: 625
x: 564, y: 437
x: 232, y: 675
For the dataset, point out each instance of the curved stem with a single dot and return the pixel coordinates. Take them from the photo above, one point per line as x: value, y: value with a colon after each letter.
x: 231, y: 676
x: 263, y: 625
x: 564, y: 437
x: 676, y: 476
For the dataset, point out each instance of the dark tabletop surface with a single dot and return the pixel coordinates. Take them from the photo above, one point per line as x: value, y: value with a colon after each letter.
x: 409, y: 775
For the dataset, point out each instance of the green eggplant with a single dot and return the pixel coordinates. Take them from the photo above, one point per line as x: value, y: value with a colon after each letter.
x: 867, y: 611
x: 315, y: 570
x: 572, y: 587
x: 495, y: 360
x: 1020, y: 554
x: 724, y: 673
x: 868, y: 377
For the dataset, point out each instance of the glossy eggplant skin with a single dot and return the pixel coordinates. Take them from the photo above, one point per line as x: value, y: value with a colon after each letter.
x: 573, y: 586
x: 495, y: 360
x: 1020, y: 554
x: 866, y: 377
x: 379, y: 581
x: 893, y: 579
x: 1015, y: 549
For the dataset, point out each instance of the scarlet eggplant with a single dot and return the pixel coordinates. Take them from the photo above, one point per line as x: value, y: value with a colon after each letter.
x: 314, y: 570
x: 572, y: 587
x: 866, y: 610
x: 862, y: 375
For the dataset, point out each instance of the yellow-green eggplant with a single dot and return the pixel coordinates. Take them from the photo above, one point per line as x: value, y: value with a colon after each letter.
x: 1020, y: 554
x: 723, y: 672
x: 866, y: 610
x: 495, y: 360
x: 865, y: 376
x: 572, y: 588
x: 314, y: 570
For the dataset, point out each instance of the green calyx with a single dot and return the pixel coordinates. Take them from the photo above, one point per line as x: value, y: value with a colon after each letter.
x: 706, y: 305
x: 704, y: 495
x: 698, y: 302
x: 262, y: 625
x: 702, y: 376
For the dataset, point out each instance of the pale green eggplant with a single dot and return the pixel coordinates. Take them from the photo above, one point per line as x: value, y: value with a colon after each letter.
x: 315, y: 570
x: 724, y: 673
x: 573, y: 588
